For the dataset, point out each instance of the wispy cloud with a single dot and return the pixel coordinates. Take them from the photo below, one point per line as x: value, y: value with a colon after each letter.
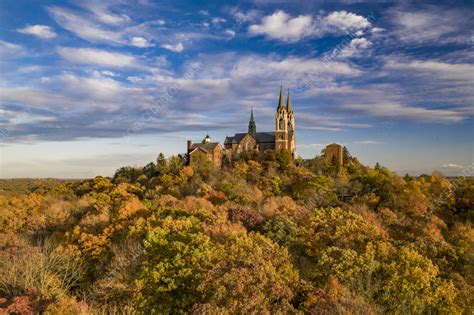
x: 434, y: 25
x: 96, y: 57
x: 140, y: 42
x: 84, y: 27
x: 368, y: 142
x: 40, y: 31
x: 179, y: 47
x: 452, y: 166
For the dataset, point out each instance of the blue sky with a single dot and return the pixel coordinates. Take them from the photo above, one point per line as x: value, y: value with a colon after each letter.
x: 89, y: 86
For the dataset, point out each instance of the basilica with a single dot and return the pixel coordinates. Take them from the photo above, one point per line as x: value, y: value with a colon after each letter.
x: 282, y: 138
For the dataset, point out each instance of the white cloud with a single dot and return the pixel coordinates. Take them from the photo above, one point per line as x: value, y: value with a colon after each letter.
x: 452, y: 165
x: 431, y: 24
x: 345, y: 21
x: 249, y: 16
x: 176, y: 48
x: 138, y: 41
x: 84, y: 27
x: 310, y: 146
x: 368, y: 142
x: 10, y: 50
x: 159, y: 22
x: 291, y: 68
x: 355, y: 48
x: 112, y: 19
x: 282, y: 26
x: 388, y: 110
x: 444, y: 70
x: 96, y: 57
x: 377, y: 30
x: 40, y: 31
x: 230, y: 33
x: 218, y: 20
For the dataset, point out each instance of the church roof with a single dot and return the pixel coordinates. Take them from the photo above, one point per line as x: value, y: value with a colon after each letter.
x: 281, y: 100
x: 265, y: 136
x: 259, y: 136
x: 204, y: 146
x: 289, y: 108
x: 238, y: 137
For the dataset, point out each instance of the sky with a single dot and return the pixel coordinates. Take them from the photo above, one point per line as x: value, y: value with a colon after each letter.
x: 89, y: 86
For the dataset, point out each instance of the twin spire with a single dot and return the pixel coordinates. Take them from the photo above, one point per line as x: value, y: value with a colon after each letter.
x: 281, y: 102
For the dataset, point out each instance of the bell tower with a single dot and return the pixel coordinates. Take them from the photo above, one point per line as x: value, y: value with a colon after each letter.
x: 281, y: 124
x: 291, y: 127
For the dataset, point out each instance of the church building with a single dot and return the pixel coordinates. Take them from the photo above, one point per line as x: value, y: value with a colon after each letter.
x: 283, y: 138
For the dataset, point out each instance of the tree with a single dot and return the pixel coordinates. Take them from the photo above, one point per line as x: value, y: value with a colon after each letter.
x: 283, y: 158
x: 127, y: 174
x: 161, y: 164
x: 150, y: 170
x: 178, y: 256
x: 346, y: 155
x: 253, y: 275
x: 412, y: 285
x: 377, y: 166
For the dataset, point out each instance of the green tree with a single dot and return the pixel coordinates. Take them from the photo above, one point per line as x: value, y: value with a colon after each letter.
x: 283, y: 158
x: 127, y: 174
x: 412, y: 285
x: 346, y: 155
x: 178, y: 256
x: 161, y: 164
x: 253, y: 275
x: 150, y: 170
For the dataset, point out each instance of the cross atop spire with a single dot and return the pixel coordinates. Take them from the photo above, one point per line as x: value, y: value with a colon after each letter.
x: 289, y: 108
x: 281, y: 101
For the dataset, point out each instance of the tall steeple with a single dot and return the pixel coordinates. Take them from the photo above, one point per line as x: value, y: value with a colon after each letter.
x: 252, y: 125
x: 281, y: 101
x: 289, y: 108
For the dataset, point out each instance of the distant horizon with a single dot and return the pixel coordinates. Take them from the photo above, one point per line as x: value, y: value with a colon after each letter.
x: 89, y: 87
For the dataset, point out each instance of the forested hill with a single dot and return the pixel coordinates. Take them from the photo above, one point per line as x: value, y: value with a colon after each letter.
x: 263, y: 234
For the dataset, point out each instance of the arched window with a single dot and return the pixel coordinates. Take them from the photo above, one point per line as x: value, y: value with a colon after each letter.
x: 281, y: 124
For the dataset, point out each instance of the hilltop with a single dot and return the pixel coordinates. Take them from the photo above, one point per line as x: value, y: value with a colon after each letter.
x: 263, y: 233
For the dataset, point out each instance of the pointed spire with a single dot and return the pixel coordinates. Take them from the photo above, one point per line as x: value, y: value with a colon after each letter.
x: 252, y: 125
x: 281, y: 101
x: 289, y: 108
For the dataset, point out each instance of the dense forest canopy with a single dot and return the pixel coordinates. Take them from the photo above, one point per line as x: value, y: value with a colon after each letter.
x: 262, y: 234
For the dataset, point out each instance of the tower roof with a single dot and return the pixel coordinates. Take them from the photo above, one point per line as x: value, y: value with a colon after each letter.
x: 252, y: 126
x: 281, y: 101
x: 207, y: 139
x: 289, y: 108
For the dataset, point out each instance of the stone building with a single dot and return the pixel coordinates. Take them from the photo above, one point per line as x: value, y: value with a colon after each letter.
x: 334, y: 150
x: 210, y: 150
x: 282, y: 138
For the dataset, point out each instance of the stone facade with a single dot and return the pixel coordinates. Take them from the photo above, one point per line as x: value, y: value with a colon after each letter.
x: 282, y: 138
x: 210, y: 150
x: 334, y: 150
